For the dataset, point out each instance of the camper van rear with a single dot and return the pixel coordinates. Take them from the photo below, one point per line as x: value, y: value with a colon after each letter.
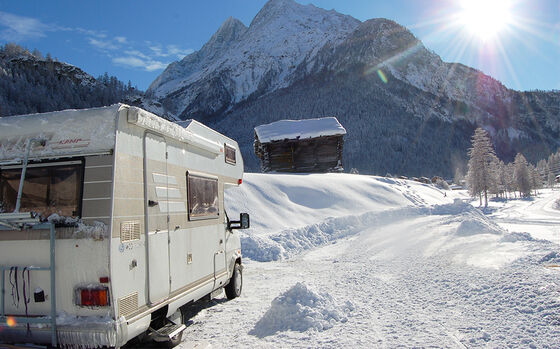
x: 140, y: 228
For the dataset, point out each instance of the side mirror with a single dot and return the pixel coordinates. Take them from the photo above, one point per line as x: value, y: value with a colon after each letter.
x: 242, y: 223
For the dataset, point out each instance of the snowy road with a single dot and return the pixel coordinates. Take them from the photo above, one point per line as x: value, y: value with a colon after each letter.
x: 423, y: 275
x: 538, y: 216
x: 405, y: 290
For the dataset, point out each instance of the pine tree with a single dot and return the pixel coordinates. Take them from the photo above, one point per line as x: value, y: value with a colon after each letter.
x: 521, y: 175
x: 482, y: 163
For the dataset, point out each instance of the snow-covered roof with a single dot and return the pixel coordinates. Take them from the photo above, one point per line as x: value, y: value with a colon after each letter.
x: 65, y: 132
x: 93, y: 131
x: 299, y: 129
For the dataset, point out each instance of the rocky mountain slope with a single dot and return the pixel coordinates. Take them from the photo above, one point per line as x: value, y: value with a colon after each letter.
x: 31, y: 83
x: 406, y: 110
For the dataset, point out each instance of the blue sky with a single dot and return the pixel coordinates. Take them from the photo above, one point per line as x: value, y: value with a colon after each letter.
x: 135, y: 40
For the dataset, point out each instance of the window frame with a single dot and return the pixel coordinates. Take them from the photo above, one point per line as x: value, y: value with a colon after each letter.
x: 80, y: 164
x: 198, y: 217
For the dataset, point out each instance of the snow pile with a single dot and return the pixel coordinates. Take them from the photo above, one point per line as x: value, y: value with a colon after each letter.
x: 475, y: 225
x: 279, y: 202
x: 471, y: 220
x: 63, y: 220
x: 516, y: 237
x: 300, y: 309
x: 551, y: 258
x: 97, y: 231
x: 291, y: 242
x: 299, y: 129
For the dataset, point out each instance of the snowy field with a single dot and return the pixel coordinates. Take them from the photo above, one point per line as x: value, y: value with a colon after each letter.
x: 339, y: 260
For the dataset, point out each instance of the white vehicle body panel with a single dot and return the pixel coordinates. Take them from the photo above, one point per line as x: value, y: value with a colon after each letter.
x: 155, y: 255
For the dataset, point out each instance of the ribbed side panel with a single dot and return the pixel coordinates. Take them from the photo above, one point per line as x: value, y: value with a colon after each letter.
x: 128, y: 304
x: 130, y: 231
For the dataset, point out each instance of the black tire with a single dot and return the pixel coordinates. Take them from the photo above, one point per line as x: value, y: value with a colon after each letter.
x: 235, y: 285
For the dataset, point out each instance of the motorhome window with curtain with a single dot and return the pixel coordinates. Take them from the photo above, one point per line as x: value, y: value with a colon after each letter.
x: 203, y: 197
x: 48, y: 188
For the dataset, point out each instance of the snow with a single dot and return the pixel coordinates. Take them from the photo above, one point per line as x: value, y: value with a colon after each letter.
x: 66, y: 132
x: 179, y: 131
x: 299, y: 129
x: 96, y: 231
x: 300, y: 309
x: 360, y: 261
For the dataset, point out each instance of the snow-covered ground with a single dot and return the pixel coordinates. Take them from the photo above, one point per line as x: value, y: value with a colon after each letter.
x: 339, y: 260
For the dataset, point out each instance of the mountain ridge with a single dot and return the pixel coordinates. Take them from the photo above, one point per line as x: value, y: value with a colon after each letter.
x: 31, y: 83
x: 373, y: 75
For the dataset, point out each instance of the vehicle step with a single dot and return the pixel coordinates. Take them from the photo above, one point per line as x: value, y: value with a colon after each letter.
x: 167, y: 332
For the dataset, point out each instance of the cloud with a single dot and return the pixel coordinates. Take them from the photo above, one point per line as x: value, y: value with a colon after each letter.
x: 102, y: 44
x: 170, y: 51
x: 19, y: 28
x: 122, y: 51
x: 139, y: 61
x: 89, y: 32
x: 152, y: 58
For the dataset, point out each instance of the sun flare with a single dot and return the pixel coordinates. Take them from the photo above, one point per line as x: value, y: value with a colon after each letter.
x: 485, y: 19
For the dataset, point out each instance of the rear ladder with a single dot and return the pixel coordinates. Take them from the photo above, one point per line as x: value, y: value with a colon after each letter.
x: 18, y: 221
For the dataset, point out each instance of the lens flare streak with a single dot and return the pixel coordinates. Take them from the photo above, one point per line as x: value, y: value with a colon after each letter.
x: 382, y: 75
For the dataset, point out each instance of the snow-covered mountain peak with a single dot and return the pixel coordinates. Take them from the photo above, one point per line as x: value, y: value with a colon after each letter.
x: 283, y: 10
x: 231, y: 30
x: 238, y: 62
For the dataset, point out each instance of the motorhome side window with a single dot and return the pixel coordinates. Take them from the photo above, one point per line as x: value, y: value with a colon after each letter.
x: 230, y: 154
x: 203, y: 197
x: 48, y: 188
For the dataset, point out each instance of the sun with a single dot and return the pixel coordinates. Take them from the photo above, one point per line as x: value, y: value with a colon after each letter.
x: 485, y: 19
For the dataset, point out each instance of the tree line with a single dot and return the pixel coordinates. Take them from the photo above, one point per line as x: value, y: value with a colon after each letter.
x: 488, y: 175
x: 32, y: 83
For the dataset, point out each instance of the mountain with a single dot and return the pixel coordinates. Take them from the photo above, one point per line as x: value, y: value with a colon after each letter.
x: 239, y: 62
x: 406, y: 111
x: 31, y: 83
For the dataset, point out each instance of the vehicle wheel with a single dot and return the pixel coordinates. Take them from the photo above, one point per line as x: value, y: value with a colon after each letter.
x: 233, y: 288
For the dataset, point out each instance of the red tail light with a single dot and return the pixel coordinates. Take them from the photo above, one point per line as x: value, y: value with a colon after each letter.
x: 239, y: 181
x: 92, y: 296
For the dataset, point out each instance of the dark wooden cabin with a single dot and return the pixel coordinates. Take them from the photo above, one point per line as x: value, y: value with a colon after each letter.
x: 311, y: 145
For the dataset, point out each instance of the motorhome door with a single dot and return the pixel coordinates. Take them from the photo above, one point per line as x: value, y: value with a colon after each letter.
x: 156, y: 183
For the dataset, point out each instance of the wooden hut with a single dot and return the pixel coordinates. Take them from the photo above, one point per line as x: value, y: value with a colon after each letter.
x: 311, y: 145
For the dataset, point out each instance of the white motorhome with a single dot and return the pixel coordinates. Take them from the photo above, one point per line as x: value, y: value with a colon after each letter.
x: 112, y: 221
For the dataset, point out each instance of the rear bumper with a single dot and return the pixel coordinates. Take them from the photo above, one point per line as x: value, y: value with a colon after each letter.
x: 82, y: 332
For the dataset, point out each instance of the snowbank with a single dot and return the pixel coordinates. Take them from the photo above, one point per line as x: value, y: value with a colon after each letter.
x: 301, y: 309
x: 294, y: 213
x: 277, y: 202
